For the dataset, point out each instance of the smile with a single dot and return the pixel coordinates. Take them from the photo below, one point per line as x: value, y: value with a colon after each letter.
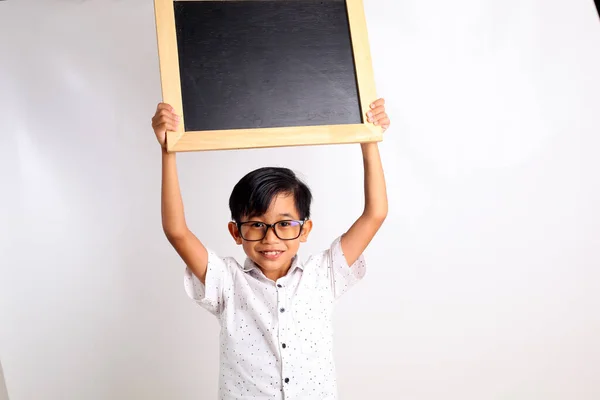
x: 271, y: 253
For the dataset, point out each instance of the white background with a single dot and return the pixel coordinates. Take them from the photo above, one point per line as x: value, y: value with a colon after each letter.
x: 484, y: 282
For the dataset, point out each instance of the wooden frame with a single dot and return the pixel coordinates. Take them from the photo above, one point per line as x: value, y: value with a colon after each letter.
x: 182, y: 140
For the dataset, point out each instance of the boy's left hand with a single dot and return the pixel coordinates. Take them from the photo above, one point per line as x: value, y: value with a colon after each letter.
x: 377, y: 115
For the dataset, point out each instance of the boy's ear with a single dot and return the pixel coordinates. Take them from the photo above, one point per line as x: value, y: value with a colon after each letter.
x: 306, y: 230
x: 235, y: 234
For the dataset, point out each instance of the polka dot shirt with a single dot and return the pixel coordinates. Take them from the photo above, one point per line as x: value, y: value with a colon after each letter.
x: 276, y: 337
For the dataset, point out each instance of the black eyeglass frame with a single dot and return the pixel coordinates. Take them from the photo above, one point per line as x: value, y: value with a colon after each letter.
x: 270, y: 226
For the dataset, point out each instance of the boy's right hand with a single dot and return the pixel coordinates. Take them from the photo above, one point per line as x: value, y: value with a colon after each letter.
x: 164, y: 120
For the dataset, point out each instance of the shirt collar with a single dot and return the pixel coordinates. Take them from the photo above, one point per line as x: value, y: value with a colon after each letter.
x: 250, y: 265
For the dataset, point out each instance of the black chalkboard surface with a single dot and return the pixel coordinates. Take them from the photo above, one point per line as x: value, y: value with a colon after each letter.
x: 264, y: 64
x: 260, y: 73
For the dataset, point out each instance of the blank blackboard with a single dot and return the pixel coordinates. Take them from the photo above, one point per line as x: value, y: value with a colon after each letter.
x: 260, y: 73
x: 264, y: 64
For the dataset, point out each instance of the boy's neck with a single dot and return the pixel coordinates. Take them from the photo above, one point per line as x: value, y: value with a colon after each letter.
x: 275, y: 275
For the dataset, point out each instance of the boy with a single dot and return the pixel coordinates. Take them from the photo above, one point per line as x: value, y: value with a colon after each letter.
x: 274, y: 310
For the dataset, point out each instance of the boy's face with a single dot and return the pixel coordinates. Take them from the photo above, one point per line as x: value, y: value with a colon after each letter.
x: 272, y: 254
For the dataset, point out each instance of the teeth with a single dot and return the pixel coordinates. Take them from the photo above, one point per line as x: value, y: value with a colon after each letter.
x: 271, y: 253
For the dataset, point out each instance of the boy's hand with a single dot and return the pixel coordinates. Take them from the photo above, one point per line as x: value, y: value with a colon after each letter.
x: 164, y: 120
x: 377, y: 114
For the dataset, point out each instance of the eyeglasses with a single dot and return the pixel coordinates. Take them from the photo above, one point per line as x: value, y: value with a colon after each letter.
x: 254, y: 231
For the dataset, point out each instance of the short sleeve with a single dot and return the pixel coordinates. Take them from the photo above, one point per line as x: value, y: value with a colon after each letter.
x: 210, y: 294
x: 343, y: 276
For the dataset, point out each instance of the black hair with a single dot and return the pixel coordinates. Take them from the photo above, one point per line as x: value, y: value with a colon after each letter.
x: 253, y: 194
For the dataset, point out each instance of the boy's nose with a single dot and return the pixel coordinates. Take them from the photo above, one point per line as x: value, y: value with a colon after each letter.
x: 270, y: 236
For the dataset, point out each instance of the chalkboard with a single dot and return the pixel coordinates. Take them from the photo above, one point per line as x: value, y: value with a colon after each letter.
x: 263, y: 73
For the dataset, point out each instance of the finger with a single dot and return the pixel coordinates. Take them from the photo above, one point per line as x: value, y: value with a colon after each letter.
x: 162, y: 118
x: 159, y: 119
x: 166, y: 126
x: 384, y: 122
x: 377, y: 103
x: 164, y: 106
x: 375, y: 111
x: 378, y: 110
x: 168, y: 117
x: 381, y: 120
x: 378, y: 117
x: 167, y: 113
x: 171, y: 125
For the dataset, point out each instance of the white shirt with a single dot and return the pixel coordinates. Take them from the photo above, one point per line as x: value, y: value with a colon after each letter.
x: 276, y: 337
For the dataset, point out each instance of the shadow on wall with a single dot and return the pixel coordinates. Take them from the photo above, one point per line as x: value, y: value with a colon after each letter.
x: 3, y: 390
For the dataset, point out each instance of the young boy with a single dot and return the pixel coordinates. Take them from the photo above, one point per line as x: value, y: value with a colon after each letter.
x: 274, y: 310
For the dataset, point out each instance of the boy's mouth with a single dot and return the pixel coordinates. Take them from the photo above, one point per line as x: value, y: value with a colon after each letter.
x: 271, y: 254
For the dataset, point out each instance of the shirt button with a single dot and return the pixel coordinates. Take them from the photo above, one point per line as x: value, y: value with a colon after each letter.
x: 283, y: 345
x: 287, y: 380
x: 282, y: 309
x: 279, y: 285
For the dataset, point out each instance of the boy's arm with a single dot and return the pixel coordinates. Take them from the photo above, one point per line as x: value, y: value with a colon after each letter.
x: 357, y: 238
x: 189, y: 248
x: 187, y: 245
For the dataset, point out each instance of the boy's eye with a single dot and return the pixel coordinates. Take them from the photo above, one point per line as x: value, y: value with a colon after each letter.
x: 288, y: 224
x: 257, y: 225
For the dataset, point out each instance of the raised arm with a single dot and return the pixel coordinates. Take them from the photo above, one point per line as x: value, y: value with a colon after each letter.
x: 189, y: 248
x: 357, y: 238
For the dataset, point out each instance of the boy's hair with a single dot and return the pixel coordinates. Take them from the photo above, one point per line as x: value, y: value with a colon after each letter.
x: 253, y: 194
